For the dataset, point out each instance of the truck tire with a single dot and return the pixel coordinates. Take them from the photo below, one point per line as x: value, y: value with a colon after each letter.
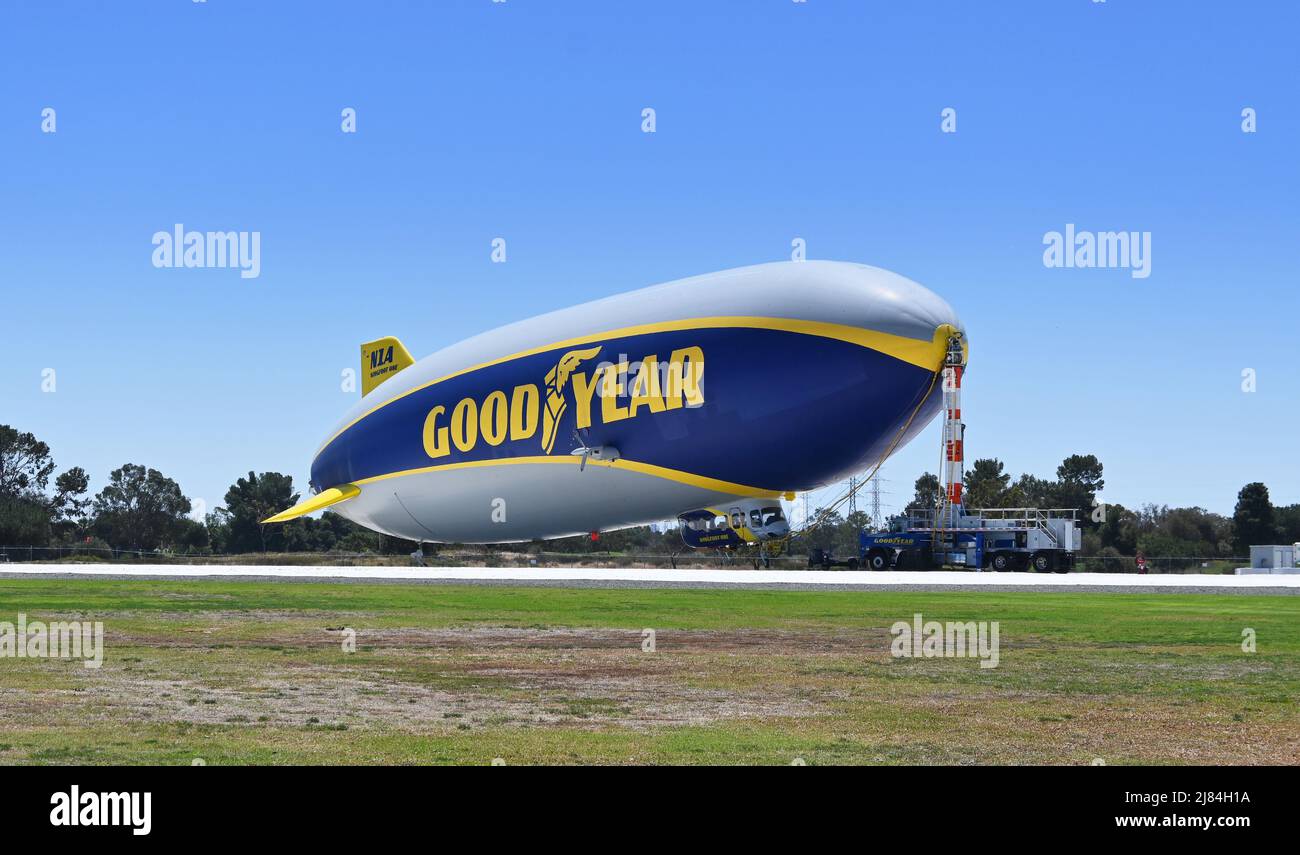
x: 878, y: 559
x: 1000, y: 561
x: 1042, y: 562
x: 853, y: 564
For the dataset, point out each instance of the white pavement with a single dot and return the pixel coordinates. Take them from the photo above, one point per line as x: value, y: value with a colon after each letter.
x: 863, y: 578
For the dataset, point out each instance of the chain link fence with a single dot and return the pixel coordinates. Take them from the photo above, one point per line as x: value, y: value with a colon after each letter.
x: 1128, y: 564
x: 457, y: 556
x: 450, y: 556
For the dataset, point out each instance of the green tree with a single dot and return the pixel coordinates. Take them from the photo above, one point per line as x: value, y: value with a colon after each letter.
x: 986, y: 484
x: 1033, y: 492
x: 251, y: 500
x: 1119, y: 531
x: 1198, y: 526
x: 140, y: 509
x: 1078, y: 481
x: 844, y: 540
x: 927, y: 492
x: 358, y: 542
x: 23, y: 522
x: 1252, y: 519
x: 1287, y: 520
x: 70, y: 500
x: 217, y: 522
x: 25, y: 463
x: 1014, y: 497
x: 330, y: 529
x: 28, y: 510
x: 1083, y: 469
x: 192, y: 536
x: 824, y: 535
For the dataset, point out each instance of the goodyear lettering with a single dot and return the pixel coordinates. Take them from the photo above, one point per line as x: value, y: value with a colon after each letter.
x: 627, y: 390
x: 523, y: 412
x: 435, y: 437
x: 685, y: 376
x: 610, y: 411
x: 492, y: 418
x: 464, y: 424
x: 582, y: 392
x: 645, y: 388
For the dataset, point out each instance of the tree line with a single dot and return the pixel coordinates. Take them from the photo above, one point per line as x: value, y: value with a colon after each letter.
x: 142, y: 509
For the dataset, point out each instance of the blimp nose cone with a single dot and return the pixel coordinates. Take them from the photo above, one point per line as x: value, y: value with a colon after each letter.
x: 867, y: 297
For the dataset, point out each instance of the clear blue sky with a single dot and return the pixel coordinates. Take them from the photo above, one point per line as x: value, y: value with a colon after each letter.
x: 776, y: 120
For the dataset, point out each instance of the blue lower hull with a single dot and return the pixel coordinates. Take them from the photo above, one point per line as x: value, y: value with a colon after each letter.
x: 773, y: 410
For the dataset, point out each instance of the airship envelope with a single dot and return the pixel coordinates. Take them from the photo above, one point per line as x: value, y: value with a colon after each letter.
x: 748, y: 384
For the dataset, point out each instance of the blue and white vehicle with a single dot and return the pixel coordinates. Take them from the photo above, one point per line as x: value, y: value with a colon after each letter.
x: 995, y: 539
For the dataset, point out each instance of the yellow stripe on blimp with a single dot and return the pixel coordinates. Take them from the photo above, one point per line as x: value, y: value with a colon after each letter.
x: 923, y: 354
x: 680, y: 477
x: 323, y: 499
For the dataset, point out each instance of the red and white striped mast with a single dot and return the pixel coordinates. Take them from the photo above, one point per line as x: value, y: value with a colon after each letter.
x: 953, y: 433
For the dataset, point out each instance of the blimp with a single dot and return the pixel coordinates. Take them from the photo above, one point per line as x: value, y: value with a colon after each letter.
x: 707, y: 399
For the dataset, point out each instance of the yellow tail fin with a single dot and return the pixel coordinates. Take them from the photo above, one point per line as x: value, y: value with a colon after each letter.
x: 323, y: 499
x: 381, y: 359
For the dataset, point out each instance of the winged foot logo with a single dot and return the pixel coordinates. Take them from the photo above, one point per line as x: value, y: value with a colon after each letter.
x: 653, y: 387
x: 556, y: 379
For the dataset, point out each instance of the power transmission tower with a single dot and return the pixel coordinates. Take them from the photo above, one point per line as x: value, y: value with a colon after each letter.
x: 876, y: 521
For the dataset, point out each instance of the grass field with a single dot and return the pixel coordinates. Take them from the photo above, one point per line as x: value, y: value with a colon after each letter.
x: 250, y: 672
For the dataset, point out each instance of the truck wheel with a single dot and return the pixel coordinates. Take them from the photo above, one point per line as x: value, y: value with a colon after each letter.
x: 1042, y: 562
x: 853, y: 564
x: 1001, y: 561
x: 877, y: 559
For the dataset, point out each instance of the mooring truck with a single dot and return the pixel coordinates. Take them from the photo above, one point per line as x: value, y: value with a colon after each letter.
x: 952, y: 535
x: 993, y: 538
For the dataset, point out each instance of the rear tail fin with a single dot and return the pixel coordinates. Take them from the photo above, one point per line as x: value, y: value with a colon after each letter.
x: 321, y: 500
x: 381, y: 359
